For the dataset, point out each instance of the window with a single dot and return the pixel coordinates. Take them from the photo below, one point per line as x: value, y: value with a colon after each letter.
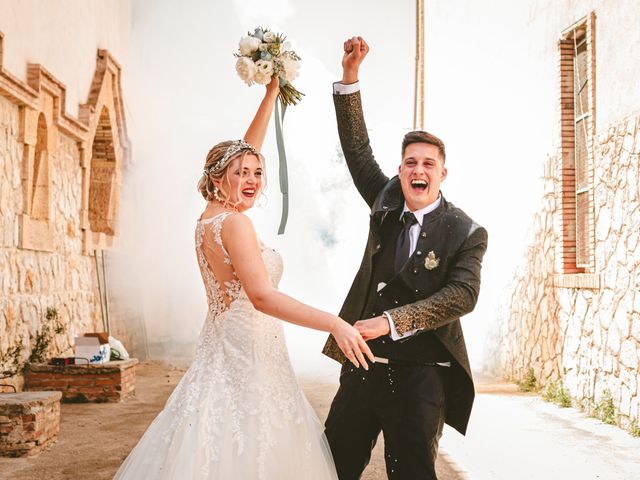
x: 577, y: 104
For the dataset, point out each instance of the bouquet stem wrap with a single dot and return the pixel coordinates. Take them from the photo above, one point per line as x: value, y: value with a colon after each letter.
x: 282, y: 155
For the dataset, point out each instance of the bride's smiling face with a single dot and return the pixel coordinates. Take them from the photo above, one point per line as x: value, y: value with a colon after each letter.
x: 242, y: 182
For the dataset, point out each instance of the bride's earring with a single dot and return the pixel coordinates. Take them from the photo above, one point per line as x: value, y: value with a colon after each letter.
x: 216, y: 195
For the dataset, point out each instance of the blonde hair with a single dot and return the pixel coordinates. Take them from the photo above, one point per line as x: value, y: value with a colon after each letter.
x: 206, y: 184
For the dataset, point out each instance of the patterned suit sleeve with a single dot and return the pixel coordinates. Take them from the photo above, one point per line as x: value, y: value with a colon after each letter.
x: 354, y: 139
x: 458, y: 296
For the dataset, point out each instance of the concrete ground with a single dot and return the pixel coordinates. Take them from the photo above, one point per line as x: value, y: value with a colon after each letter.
x: 320, y: 395
x: 511, y: 436
x: 520, y: 436
x: 94, y: 438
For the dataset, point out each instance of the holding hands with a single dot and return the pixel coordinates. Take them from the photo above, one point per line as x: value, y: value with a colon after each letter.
x: 373, y: 328
x: 351, y: 343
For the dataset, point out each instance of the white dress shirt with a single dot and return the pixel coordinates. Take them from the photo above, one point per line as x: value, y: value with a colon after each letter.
x: 340, y: 88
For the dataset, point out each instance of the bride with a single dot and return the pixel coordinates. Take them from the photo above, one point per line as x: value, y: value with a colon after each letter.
x: 238, y: 412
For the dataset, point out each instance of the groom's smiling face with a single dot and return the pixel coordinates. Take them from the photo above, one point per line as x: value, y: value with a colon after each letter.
x: 421, y: 172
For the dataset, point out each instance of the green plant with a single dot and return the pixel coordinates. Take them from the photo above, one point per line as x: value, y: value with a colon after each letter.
x: 12, y: 363
x: 605, y: 410
x: 634, y: 429
x: 529, y: 383
x: 556, y: 393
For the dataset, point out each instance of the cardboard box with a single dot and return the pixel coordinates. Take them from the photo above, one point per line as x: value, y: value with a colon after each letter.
x: 94, y: 347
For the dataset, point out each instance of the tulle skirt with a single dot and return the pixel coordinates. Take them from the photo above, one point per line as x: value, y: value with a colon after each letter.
x: 237, y: 414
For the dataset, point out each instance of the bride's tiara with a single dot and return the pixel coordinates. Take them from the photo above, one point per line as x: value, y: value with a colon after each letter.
x: 233, y: 149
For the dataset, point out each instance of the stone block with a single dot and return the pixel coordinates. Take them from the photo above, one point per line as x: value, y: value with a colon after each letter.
x: 629, y: 355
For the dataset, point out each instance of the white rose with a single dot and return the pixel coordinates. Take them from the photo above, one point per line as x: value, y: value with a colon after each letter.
x: 262, y: 79
x: 291, y: 68
x: 265, y: 67
x: 248, y: 45
x: 270, y: 37
x: 246, y: 70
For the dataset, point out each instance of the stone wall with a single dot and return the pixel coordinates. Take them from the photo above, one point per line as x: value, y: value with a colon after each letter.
x: 587, y: 337
x: 31, y: 281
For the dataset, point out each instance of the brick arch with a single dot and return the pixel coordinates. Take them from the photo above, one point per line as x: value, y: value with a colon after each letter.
x: 100, y: 133
x: 39, y: 188
x: 102, y: 177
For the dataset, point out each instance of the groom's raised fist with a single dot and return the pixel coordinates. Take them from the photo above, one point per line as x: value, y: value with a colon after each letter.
x: 355, y: 49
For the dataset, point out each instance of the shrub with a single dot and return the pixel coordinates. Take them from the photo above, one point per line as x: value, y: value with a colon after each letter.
x: 529, y: 383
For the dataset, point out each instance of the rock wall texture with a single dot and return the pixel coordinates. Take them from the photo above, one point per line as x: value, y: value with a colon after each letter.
x: 589, y: 338
x: 31, y: 281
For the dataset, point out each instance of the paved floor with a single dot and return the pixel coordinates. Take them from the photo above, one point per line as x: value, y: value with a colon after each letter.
x: 95, y: 438
x: 320, y: 395
x: 511, y: 436
x: 518, y: 436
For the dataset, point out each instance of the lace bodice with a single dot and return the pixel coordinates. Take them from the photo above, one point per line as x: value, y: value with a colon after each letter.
x: 221, y: 282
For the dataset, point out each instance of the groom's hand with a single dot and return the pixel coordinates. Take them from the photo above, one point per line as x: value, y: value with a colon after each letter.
x: 355, y: 49
x: 373, y: 328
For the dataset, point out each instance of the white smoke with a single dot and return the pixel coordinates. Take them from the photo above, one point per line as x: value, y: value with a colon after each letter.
x: 182, y: 97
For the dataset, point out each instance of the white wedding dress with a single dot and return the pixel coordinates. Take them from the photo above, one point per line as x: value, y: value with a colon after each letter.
x: 238, y: 412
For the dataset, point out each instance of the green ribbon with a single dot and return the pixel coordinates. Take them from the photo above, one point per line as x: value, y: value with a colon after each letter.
x: 284, y: 178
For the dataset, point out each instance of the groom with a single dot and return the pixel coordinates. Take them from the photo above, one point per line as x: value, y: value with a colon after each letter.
x: 420, y: 273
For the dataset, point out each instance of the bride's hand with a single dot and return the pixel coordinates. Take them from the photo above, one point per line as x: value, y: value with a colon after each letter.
x: 273, y: 87
x: 352, y: 344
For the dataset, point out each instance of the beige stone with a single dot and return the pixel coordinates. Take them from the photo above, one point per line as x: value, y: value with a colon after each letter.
x: 629, y: 355
x: 45, y: 255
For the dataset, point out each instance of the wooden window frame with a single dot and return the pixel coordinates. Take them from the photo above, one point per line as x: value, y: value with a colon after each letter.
x: 574, y: 239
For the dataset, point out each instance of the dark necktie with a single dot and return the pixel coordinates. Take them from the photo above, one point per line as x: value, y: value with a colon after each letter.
x: 404, y: 240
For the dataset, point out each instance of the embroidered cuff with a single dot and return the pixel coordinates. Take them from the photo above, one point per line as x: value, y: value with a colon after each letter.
x: 393, y: 333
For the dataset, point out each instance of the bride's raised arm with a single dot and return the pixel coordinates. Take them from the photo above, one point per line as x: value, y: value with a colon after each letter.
x: 239, y: 238
x: 258, y: 128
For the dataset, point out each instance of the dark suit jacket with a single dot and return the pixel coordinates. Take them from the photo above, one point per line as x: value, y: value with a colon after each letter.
x: 430, y: 298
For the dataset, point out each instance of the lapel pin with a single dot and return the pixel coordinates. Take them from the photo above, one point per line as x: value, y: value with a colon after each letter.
x: 431, y: 261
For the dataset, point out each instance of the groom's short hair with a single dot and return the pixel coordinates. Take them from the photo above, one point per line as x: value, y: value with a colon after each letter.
x: 419, y: 136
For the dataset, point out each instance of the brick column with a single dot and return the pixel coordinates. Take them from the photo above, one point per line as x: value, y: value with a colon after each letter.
x: 29, y: 422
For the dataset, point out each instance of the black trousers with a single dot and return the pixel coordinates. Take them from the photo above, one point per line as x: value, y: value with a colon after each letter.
x: 406, y: 403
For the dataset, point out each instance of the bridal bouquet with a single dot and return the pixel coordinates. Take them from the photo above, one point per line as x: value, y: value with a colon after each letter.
x: 264, y: 54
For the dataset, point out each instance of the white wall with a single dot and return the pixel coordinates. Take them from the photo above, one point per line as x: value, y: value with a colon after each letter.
x: 63, y: 36
x: 492, y: 94
x: 617, y: 46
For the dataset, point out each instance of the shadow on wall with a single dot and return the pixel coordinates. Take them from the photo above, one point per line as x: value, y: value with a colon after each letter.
x: 529, y: 336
